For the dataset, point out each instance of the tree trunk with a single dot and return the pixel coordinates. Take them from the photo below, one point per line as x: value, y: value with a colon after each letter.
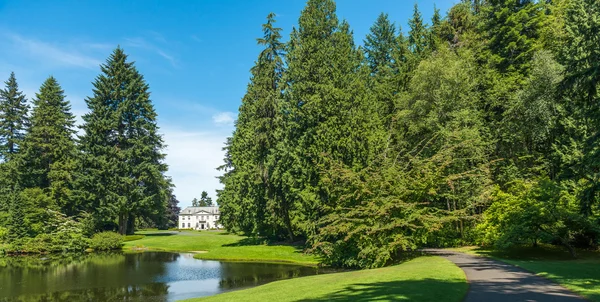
x: 130, y: 225
x: 571, y: 249
x: 123, y: 218
x: 288, y: 224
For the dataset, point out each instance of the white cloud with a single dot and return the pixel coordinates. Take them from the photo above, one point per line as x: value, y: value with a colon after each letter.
x: 61, y: 55
x: 140, y: 42
x: 193, y: 158
x: 224, y: 118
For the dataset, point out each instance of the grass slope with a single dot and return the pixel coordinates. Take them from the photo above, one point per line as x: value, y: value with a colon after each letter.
x: 421, y: 279
x: 580, y: 275
x: 214, y: 245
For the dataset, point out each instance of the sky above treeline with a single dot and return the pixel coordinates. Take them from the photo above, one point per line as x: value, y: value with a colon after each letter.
x: 195, y: 55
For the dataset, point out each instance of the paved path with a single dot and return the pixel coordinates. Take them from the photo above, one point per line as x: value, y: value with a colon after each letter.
x: 495, y: 281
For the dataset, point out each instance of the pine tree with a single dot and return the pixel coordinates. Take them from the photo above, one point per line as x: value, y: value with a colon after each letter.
x: 122, y: 173
x: 512, y: 29
x: 380, y: 44
x: 418, y: 35
x: 581, y: 87
x: 205, y: 200
x: 13, y: 118
x: 249, y: 194
x: 328, y: 117
x: 48, y: 153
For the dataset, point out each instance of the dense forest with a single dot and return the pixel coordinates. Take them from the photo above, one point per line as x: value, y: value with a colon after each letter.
x: 477, y: 127
x: 58, y: 186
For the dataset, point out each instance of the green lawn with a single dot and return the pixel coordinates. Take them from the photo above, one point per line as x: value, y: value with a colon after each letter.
x: 421, y: 279
x: 215, y: 245
x: 580, y: 275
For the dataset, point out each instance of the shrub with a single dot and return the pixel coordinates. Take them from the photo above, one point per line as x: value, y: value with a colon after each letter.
x: 106, y: 241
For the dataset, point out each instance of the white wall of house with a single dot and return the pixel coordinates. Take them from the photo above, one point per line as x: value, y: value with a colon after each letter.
x: 199, y: 218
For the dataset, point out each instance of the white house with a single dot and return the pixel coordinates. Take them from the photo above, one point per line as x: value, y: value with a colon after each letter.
x: 200, y: 218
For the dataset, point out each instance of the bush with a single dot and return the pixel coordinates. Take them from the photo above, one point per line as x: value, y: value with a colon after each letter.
x: 106, y: 241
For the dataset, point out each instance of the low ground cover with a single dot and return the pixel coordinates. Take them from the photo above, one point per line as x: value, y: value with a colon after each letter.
x: 218, y: 245
x: 420, y: 279
x: 581, y: 275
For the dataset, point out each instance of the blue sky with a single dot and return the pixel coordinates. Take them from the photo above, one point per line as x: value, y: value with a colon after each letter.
x: 195, y: 55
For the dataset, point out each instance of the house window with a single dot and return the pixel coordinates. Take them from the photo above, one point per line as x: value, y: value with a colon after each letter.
x: 189, y: 225
x: 183, y: 225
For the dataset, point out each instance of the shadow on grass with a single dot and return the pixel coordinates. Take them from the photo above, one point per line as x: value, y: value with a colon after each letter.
x: 540, y: 253
x: 422, y: 290
x: 159, y: 234
x: 249, y: 241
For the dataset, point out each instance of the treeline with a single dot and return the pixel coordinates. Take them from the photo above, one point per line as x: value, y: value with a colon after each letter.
x: 478, y: 127
x: 58, y: 186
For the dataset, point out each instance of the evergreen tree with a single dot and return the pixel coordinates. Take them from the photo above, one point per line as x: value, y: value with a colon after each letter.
x: 48, y: 152
x: 581, y: 58
x: 205, y: 200
x: 13, y: 118
x: 418, y: 35
x: 195, y: 202
x: 122, y: 174
x: 258, y: 128
x: 328, y: 117
x: 512, y: 28
x: 17, y: 228
x: 380, y: 44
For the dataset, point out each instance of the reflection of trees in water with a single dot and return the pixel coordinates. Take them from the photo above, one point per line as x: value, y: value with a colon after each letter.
x: 115, y: 272
x: 154, y: 292
x: 235, y: 275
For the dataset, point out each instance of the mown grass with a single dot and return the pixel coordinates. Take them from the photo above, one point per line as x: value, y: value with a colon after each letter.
x: 581, y: 275
x: 420, y: 279
x: 216, y: 245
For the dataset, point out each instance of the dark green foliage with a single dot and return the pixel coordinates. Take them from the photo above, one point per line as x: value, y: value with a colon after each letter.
x: 17, y: 228
x: 581, y: 58
x: 122, y: 166
x: 251, y: 158
x: 512, y: 29
x: 418, y: 38
x: 13, y: 118
x: 48, y: 155
x: 105, y: 241
x: 479, y: 128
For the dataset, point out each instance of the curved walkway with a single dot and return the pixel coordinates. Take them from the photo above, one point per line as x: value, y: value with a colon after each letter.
x: 495, y: 281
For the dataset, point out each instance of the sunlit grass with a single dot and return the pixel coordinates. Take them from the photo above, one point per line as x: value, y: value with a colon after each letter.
x: 215, y: 245
x: 421, y: 279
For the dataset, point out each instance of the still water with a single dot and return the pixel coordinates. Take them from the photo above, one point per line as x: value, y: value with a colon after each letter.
x: 149, y: 276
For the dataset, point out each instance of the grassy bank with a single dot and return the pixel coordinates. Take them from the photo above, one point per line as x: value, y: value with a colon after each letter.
x: 214, y: 245
x: 581, y: 275
x: 421, y: 279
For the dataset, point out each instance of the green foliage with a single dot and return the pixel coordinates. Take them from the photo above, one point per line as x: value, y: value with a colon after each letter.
x: 532, y: 212
x: 122, y: 171
x: 205, y: 201
x: 13, y: 118
x: 47, y: 157
x: 64, y: 236
x: 105, y: 241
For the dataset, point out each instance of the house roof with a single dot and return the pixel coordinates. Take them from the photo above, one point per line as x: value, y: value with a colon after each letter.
x: 198, y: 210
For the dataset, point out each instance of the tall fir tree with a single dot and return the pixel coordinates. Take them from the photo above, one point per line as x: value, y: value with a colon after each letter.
x: 258, y: 128
x: 581, y: 87
x: 13, y: 118
x: 328, y: 117
x: 512, y: 28
x: 48, y: 156
x: 418, y: 37
x: 122, y: 171
x: 380, y: 44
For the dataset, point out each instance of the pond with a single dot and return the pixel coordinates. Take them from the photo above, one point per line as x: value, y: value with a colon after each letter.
x: 148, y: 276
